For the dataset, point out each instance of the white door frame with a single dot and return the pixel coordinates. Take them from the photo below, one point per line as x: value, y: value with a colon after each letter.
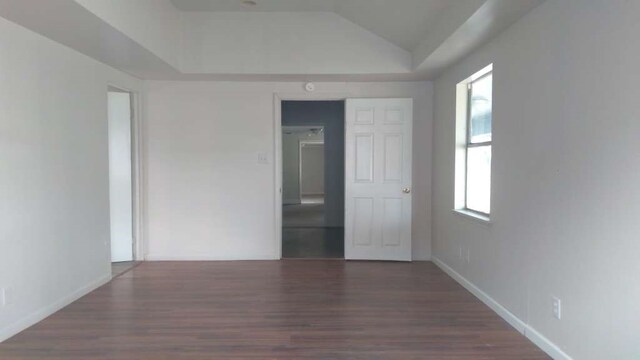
x: 136, y: 171
x: 278, y: 98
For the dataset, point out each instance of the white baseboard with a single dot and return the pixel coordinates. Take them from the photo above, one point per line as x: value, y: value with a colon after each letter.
x: 204, y: 257
x: 538, y: 339
x: 545, y: 344
x: 30, y: 320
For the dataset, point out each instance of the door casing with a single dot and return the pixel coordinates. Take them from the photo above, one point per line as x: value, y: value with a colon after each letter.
x: 137, y: 170
x: 278, y: 98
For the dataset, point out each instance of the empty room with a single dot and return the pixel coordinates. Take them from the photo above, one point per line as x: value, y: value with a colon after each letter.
x: 319, y: 179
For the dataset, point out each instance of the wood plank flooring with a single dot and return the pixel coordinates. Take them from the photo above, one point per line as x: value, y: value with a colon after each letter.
x: 291, y: 309
x: 118, y: 268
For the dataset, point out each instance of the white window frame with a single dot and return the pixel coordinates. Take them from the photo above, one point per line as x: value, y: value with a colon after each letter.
x: 463, y: 143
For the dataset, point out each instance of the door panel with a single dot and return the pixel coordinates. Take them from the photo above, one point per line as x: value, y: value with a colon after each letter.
x: 391, y: 222
x: 363, y: 221
x: 364, y: 158
x: 393, y: 153
x: 378, y: 179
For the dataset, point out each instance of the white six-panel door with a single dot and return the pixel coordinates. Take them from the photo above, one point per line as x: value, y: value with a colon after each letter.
x: 378, y: 179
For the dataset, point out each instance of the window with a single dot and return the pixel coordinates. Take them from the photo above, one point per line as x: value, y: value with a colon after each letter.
x: 478, y: 182
x: 474, y: 132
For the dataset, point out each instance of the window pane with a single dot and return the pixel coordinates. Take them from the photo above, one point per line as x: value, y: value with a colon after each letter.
x: 481, y: 97
x: 479, y: 178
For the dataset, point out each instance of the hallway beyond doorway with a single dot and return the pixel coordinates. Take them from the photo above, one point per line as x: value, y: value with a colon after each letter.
x: 304, y: 234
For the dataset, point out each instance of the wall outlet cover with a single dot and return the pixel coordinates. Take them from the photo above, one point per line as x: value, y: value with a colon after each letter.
x: 556, y: 307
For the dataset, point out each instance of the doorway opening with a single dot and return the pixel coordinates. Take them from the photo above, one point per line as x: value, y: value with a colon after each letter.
x: 313, y: 179
x: 121, y: 185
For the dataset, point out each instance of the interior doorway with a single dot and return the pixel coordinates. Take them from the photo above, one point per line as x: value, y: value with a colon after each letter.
x: 313, y: 179
x: 121, y: 186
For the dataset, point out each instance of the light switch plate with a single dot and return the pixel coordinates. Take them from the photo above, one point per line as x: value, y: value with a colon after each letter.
x: 5, y: 296
x: 556, y: 307
x: 263, y: 158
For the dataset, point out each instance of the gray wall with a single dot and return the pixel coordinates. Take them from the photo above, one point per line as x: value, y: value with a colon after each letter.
x: 329, y: 114
x: 54, y: 182
x: 566, y: 169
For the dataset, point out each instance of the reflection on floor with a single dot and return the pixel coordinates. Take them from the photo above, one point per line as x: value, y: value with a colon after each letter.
x: 304, y: 234
x: 119, y: 268
x: 315, y: 243
x: 303, y: 215
x: 312, y: 199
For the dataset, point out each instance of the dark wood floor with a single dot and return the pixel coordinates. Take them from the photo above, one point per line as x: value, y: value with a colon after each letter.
x: 291, y: 309
x: 118, y: 268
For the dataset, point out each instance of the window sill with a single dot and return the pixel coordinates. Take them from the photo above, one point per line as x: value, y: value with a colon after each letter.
x: 471, y: 215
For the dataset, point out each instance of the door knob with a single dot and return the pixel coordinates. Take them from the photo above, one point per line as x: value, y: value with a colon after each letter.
x: 406, y: 190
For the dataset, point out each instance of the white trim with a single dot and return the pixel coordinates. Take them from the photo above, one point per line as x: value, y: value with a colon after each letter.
x: 136, y: 171
x: 488, y: 300
x: 534, y: 336
x: 39, y: 315
x: 138, y: 179
x: 545, y: 344
x: 472, y: 215
x: 204, y: 257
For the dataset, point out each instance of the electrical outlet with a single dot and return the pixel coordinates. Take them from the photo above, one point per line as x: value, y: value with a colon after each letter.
x: 557, y: 307
x: 5, y: 297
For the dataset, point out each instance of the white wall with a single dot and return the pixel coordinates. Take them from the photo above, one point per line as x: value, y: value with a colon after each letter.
x: 208, y: 197
x: 120, y: 176
x: 285, y: 43
x: 312, y: 169
x: 54, y: 180
x: 566, y: 169
x: 154, y: 24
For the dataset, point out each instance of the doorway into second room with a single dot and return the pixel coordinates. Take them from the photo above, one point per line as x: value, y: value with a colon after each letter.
x: 313, y: 179
x: 120, y: 180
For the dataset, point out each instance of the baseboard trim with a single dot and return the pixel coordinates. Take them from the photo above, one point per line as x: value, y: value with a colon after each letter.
x: 534, y: 336
x: 204, y: 257
x: 44, y: 312
x: 545, y: 344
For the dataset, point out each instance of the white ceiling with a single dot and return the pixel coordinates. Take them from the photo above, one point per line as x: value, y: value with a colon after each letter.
x: 262, y: 5
x: 403, y: 22
x: 279, y: 40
